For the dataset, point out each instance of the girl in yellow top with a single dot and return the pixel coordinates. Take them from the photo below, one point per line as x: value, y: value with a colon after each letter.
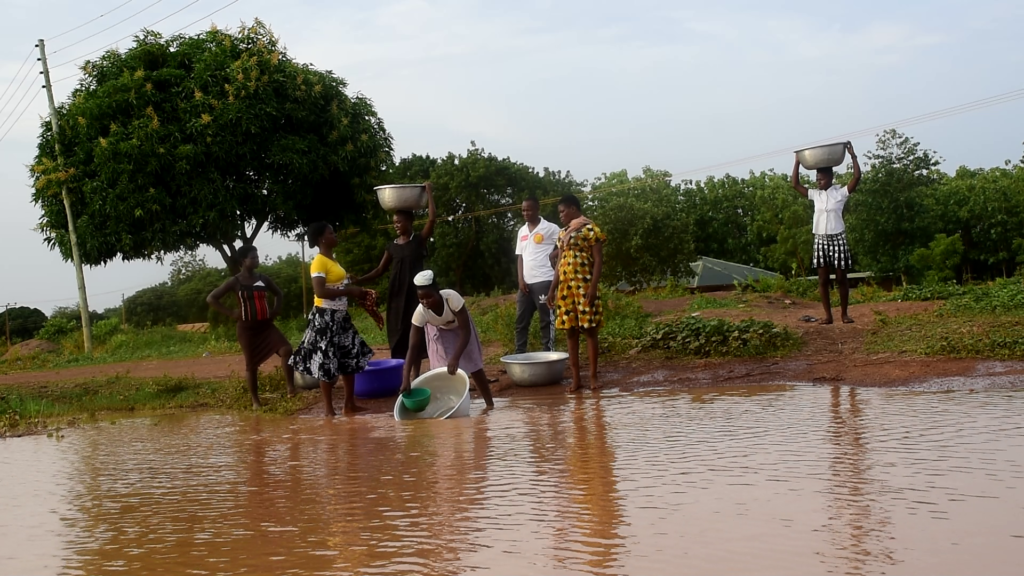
x: 332, y: 346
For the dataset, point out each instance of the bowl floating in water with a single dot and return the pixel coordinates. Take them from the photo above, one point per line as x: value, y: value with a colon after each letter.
x: 402, y: 197
x: 416, y: 399
x: 449, y: 396
x: 536, y: 368
x: 381, y: 379
x: 827, y: 156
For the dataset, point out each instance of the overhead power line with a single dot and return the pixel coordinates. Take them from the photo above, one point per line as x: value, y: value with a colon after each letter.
x: 91, y: 21
x: 115, y: 42
x: 16, y: 74
x: 20, y: 100
x: 22, y: 113
x: 119, y: 22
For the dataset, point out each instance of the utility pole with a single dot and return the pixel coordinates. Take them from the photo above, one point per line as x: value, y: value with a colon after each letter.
x: 83, y: 298
x: 124, y: 315
x: 7, y: 317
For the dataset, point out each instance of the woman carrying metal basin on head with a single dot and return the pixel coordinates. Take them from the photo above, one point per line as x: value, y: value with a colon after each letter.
x: 443, y: 322
x: 404, y: 259
x: 830, y: 247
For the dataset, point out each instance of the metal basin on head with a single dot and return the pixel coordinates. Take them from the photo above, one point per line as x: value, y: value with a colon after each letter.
x: 827, y: 156
x: 402, y: 197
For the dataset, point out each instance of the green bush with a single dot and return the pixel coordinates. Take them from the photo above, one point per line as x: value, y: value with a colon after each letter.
x: 104, y: 330
x: 57, y: 328
x: 715, y: 337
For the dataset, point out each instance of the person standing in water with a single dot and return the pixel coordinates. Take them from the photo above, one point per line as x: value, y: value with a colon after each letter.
x: 831, y: 250
x: 331, y: 347
x: 404, y: 258
x: 575, y: 295
x: 258, y: 337
x: 442, y: 320
x: 534, y: 244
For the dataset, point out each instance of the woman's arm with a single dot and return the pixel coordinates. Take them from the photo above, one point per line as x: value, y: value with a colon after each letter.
x: 322, y: 292
x: 214, y: 299
x: 462, y: 315
x: 856, y: 169
x: 795, y: 179
x: 554, y: 283
x: 278, y: 297
x: 415, y: 337
x: 597, y: 253
x: 385, y: 263
x: 428, y: 228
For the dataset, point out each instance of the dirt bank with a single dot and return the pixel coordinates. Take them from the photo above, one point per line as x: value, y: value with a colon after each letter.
x: 831, y: 354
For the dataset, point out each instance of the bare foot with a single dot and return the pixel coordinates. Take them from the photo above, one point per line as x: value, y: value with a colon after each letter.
x: 595, y: 385
x: 292, y: 391
x: 847, y: 319
x: 256, y: 404
x: 330, y: 413
x: 825, y: 321
x: 573, y: 387
x: 353, y: 410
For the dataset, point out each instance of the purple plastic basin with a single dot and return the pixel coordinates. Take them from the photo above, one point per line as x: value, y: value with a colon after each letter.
x: 382, y: 378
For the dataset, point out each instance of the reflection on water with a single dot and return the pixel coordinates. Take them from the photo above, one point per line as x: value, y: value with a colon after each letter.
x: 755, y: 480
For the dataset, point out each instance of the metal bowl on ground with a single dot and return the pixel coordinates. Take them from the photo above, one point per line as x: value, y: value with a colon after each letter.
x: 449, y: 396
x: 402, y: 197
x: 307, y: 382
x: 536, y: 368
x: 382, y: 378
x: 827, y: 156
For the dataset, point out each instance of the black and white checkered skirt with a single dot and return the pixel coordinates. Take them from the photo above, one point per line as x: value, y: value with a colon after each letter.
x: 831, y: 251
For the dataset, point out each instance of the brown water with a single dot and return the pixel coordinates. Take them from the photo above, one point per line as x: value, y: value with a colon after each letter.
x: 765, y: 480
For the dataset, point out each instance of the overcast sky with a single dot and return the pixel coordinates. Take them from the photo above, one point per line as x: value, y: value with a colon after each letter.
x: 586, y: 86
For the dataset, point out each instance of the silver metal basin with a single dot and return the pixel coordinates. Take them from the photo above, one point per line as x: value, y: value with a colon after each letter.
x: 536, y: 368
x: 307, y: 382
x: 827, y: 156
x: 402, y: 197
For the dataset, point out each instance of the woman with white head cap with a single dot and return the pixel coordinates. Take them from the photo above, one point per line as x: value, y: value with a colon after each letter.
x: 452, y: 342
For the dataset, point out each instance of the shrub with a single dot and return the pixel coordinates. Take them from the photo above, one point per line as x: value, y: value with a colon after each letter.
x: 716, y: 337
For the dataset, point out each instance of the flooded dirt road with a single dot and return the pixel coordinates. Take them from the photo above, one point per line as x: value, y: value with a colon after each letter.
x: 760, y: 480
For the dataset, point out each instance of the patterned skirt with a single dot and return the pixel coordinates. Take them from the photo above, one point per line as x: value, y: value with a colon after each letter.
x: 331, y: 346
x: 831, y: 251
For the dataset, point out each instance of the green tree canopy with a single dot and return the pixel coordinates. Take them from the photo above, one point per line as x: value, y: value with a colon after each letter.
x: 24, y: 322
x: 888, y: 218
x: 650, y: 237
x: 203, y: 140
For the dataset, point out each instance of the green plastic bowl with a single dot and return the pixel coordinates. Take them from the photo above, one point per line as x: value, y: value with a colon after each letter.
x: 417, y: 399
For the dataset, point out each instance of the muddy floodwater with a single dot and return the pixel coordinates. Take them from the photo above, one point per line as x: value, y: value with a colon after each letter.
x: 766, y: 480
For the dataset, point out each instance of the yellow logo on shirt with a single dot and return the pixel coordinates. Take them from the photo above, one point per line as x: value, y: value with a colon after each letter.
x: 538, y: 238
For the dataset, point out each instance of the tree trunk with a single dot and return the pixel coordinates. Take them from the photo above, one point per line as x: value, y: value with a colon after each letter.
x: 229, y: 255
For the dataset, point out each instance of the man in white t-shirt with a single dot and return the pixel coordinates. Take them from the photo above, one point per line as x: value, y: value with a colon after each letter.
x: 830, y: 247
x: 534, y: 244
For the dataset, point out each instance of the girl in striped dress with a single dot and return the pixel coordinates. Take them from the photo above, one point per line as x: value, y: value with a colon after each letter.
x: 258, y: 337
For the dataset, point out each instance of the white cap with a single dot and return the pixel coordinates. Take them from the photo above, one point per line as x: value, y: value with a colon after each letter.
x: 425, y: 278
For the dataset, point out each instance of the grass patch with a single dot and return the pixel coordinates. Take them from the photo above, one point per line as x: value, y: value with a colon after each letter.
x: 30, y: 409
x: 950, y: 334
x: 716, y: 338
x: 166, y: 343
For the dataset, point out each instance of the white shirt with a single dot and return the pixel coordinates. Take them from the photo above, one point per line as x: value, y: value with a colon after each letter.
x: 828, y: 209
x: 535, y: 248
x: 453, y: 302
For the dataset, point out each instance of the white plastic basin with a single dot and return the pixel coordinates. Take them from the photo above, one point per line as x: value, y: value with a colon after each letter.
x: 449, y: 396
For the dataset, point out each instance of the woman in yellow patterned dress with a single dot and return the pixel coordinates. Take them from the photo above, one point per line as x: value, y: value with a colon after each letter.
x: 574, y: 294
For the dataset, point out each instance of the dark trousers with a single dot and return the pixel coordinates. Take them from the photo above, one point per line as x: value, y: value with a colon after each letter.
x: 526, y: 305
